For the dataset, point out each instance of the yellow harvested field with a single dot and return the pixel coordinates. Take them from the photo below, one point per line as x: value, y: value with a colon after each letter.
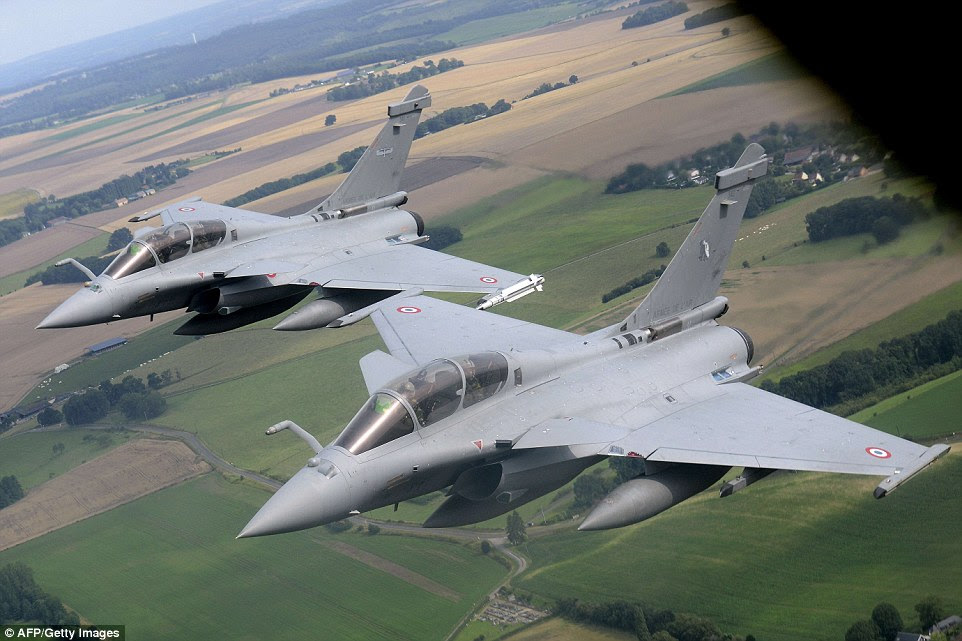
x: 125, y: 473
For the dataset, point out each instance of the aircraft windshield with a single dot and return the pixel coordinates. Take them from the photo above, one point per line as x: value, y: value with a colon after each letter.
x: 170, y: 243
x: 382, y: 419
x: 130, y: 261
x: 434, y: 392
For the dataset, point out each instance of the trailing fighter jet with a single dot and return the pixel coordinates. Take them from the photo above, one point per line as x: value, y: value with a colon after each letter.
x: 236, y: 267
x: 502, y: 411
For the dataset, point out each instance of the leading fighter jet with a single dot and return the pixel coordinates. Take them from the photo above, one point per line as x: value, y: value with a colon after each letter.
x: 236, y: 267
x: 502, y: 411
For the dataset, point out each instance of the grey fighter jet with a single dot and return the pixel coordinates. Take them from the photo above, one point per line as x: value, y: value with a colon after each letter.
x: 235, y: 267
x: 501, y: 411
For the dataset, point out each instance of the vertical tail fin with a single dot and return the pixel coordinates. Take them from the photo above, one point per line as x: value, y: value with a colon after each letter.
x: 694, y: 274
x: 378, y: 172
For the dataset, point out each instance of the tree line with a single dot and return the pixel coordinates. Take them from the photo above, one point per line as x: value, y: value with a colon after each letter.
x: 646, y: 623
x: 38, y: 214
x: 23, y: 601
x: 546, y: 87
x: 385, y: 81
x: 651, y: 15
x: 715, y: 14
x: 459, y: 116
x: 10, y: 491
x: 882, y: 217
x: 886, y: 622
x: 649, y: 276
x: 858, y: 378
x: 442, y: 236
x: 345, y: 162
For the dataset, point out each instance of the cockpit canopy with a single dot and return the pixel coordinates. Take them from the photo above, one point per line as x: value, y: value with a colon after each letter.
x: 424, y: 397
x: 167, y: 244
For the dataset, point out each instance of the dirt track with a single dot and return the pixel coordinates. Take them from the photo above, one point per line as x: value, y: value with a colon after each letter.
x: 117, y: 477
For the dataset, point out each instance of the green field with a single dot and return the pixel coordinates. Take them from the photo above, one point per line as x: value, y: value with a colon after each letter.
x: 928, y: 411
x: 796, y: 556
x: 770, y: 68
x: 500, y: 26
x: 12, y: 203
x: 93, y: 247
x: 167, y: 566
x: 31, y: 458
x: 93, y: 126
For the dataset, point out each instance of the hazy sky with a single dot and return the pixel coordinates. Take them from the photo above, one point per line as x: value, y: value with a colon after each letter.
x: 31, y: 26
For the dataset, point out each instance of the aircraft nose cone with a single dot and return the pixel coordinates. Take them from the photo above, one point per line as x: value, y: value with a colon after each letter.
x: 309, y: 499
x: 85, y: 307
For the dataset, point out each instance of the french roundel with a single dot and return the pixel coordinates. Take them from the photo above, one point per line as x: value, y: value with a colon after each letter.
x: 878, y: 452
x: 409, y: 310
x: 489, y: 280
x: 186, y: 209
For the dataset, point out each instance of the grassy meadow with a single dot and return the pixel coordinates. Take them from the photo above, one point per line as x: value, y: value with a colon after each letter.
x: 796, y: 556
x: 32, y: 459
x: 167, y: 566
x: 931, y: 410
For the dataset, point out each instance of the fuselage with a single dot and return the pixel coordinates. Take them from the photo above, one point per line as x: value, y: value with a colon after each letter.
x: 223, y: 265
x: 616, y: 382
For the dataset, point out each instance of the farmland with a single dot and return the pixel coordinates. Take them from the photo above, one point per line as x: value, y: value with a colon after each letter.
x: 760, y: 562
x: 168, y: 566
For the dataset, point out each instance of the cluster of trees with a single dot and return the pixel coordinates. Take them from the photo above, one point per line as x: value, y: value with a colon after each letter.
x: 345, y: 162
x: 119, y: 239
x: 886, y: 622
x: 130, y: 396
x: 23, y: 601
x: 37, y: 214
x: 134, y: 399
x: 651, y: 15
x: 648, y: 277
x: 373, y: 84
x: 881, y: 216
x: 49, y: 416
x: 854, y: 379
x: 442, y: 236
x: 647, y: 624
x: 10, y: 491
x: 459, y: 116
x: 545, y: 87
x: 715, y: 14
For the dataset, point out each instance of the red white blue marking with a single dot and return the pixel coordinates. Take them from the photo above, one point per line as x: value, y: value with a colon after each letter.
x: 186, y: 209
x: 409, y: 310
x: 878, y: 452
x: 490, y: 280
